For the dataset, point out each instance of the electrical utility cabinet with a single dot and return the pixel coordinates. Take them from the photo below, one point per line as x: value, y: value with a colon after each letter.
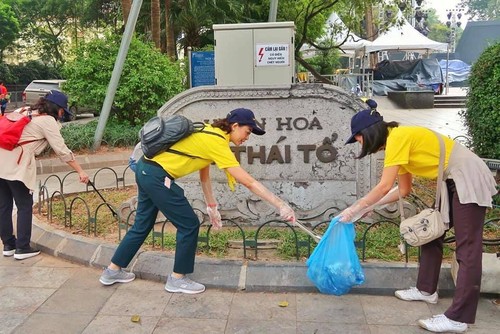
x: 254, y: 53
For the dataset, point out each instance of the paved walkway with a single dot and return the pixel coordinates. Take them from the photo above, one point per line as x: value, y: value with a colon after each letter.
x: 45, y: 294
x: 48, y: 294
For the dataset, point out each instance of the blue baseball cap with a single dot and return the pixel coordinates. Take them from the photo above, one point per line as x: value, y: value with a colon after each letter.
x: 244, y: 116
x: 362, y: 120
x: 58, y: 98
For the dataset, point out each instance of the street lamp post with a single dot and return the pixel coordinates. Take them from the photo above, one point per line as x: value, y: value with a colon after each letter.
x: 454, y: 16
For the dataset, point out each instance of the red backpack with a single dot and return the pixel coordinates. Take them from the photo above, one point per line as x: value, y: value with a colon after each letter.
x: 11, y: 129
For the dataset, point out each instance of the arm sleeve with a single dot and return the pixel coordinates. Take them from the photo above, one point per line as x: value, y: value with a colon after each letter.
x: 51, y: 132
x: 397, y: 150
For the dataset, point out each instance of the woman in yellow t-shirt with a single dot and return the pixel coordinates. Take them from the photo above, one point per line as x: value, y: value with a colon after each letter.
x: 412, y: 150
x: 158, y: 191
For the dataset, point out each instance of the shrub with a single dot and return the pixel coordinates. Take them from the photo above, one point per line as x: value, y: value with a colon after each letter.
x: 482, y: 115
x: 26, y: 72
x: 81, y: 137
x: 148, y: 79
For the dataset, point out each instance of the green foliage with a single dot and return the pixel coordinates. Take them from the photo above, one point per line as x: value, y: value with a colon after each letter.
x: 483, y: 10
x: 116, y: 134
x: 149, y: 78
x: 482, y: 115
x: 47, y: 27
x: 27, y: 72
x: 6, y: 74
x: 9, y: 27
x: 33, y: 70
x: 325, y: 61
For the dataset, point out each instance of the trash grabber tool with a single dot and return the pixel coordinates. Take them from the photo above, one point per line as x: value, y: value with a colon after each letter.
x: 315, y: 236
x: 109, y: 206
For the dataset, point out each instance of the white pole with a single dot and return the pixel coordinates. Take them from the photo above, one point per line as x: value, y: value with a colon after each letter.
x: 447, y: 67
x: 117, y: 71
x: 273, y: 11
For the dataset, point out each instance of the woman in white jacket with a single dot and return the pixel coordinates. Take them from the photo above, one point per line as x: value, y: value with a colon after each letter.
x: 18, y: 172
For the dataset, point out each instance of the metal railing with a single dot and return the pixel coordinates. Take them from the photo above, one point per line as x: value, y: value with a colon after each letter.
x: 123, y: 220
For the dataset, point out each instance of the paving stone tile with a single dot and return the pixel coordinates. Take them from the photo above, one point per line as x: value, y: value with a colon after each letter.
x: 392, y: 329
x: 488, y: 316
x: 76, y: 301
x: 380, y: 310
x: 35, y: 277
x: 44, y: 323
x: 477, y: 330
x: 23, y: 300
x: 249, y: 326
x: 86, y: 278
x: 324, y: 308
x: 9, y: 261
x: 110, y: 324
x: 184, y: 326
x: 141, y: 284
x: 143, y: 303
x: 306, y: 327
x: 10, y: 321
x: 212, y: 304
x: 53, y: 262
x: 263, y: 306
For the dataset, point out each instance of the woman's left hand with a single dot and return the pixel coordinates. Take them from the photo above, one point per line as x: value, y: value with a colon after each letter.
x: 214, y: 215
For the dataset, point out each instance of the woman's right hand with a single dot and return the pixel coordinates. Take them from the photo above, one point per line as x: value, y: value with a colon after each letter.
x: 287, y: 213
x: 84, y: 178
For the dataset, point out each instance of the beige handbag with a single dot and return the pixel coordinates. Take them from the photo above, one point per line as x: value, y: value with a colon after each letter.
x: 428, y: 224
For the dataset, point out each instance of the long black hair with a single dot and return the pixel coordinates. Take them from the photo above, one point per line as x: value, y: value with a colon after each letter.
x: 375, y: 137
x: 44, y: 106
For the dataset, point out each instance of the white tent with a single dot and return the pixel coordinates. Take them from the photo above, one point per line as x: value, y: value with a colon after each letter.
x: 405, y: 38
x: 337, y: 30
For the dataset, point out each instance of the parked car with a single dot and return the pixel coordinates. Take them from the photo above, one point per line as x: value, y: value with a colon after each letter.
x: 38, y: 88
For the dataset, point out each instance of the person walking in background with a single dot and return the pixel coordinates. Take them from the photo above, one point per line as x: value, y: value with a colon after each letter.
x: 159, y: 191
x: 18, y: 172
x: 4, y: 97
x: 467, y: 192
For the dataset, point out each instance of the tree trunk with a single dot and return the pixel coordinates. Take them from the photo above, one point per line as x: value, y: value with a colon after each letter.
x: 155, y: 22
x: 169, y: 30
x: 311, y: 69
x: 126, y: 4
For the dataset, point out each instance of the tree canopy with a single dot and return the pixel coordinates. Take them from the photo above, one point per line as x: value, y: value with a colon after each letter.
x: 483, y: 9
x: 9, y: 27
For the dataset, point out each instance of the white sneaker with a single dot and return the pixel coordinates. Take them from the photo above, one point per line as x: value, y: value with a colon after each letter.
x: 415, y: 294
x: 440, y: 324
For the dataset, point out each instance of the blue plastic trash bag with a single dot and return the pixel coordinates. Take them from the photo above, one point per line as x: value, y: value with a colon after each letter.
x: 334, y: 266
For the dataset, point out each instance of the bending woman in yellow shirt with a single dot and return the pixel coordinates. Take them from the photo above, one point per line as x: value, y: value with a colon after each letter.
x: 411, y: 150
x: 158, y: 191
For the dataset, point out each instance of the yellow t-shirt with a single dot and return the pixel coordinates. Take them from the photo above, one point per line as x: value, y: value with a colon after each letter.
x: 416, y: 150
x: 206, y: 147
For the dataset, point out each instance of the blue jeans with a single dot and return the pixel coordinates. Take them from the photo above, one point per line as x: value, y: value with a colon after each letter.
x: 154, y: 196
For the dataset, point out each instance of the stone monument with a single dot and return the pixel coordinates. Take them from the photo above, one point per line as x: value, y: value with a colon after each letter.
x: 301, y: 158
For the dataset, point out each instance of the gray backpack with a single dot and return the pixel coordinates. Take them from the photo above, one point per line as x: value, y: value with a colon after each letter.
x: 160, y: 133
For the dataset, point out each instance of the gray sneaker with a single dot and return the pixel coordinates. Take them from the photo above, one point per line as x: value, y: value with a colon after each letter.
x: 184, y: 285
x: 109, y: 276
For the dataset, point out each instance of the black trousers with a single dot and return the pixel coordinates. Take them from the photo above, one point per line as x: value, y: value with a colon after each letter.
x: 11, y: 191
x: 468, y: 220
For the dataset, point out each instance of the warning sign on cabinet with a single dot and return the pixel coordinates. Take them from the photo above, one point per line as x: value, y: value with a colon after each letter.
x: 272, y: 55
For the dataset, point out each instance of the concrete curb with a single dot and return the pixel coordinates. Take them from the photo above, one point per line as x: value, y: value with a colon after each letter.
x: 92, y: 161
x: 381, y: 278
